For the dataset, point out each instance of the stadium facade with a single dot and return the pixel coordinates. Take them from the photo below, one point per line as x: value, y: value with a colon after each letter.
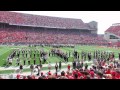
x: 112, y: 34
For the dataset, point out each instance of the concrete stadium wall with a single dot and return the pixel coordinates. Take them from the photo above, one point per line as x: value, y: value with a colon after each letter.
x: 107, y: 37
x: 93, y: 24
x: 93, y: 32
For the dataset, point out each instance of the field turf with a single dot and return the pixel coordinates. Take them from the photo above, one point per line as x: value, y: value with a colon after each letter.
x: 5, y: 51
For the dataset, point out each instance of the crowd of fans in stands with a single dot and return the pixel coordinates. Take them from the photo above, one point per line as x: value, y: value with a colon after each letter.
x: 49, y: 36
x: 31, y: 35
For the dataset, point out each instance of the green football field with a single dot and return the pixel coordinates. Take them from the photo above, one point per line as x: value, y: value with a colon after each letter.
x: 5, y: 51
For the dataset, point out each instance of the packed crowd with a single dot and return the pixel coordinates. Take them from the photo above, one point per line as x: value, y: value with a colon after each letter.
x: 15, y: 35
x: 11, y: 35
x: 35, y: 35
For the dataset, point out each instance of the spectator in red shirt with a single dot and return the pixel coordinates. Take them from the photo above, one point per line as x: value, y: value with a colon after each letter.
x: 18, y: 76
x: 68, y: 67
x: 79, y: 74
x: 92, y: 73
x: 49, y: 73
x: 108, y: 71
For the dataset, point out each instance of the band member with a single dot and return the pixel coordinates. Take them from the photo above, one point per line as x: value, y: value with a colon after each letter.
x: 113, y: 56
x: 18, y: 55
x: 69, y: 54
x: 41, y: 66
x: 45, y: 58
x: 60, y: 65
x: 66, y: 58
x: 30, y: 55
x: 40, y: 61
x: 82, y: 55
x: 94, y: 55
x: 24, y: 61
x: 75, y: 54
x: 26, y: 55
x: 109, y: 56
x: 18, y: 61
x: 119, y: 56
x: 21, y: 68
x: 49, y: 54
x: 23, y: 54
x: 31, y: 68
x: 34, y: 55
x: 56, y: 67
x: 89, y: 56
x: 74, y: 64
x: 40, y: 54
x: 85, y: 55
x: 82, y: 64
x: 10, y: 61
x: 52, y: 52
x: 49, y: 66
x: 29, y: 61
x: 78, y: 56
x: 39, y: 69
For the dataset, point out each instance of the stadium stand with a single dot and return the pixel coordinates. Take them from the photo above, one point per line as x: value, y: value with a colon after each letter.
x: 28, y: 29
x: 114, y: 29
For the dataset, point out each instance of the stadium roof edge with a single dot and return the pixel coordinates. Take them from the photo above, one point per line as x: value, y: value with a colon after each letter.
x: 46, y: 15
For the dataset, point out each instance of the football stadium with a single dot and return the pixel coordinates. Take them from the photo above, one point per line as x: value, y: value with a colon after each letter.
x: 46, y: 47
